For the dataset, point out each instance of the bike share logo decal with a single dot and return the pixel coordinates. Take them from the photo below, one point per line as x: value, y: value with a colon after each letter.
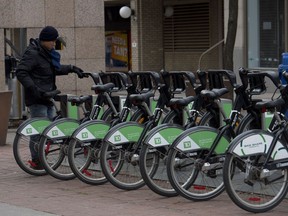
x: 117, y: 138
x: 84, y: 135
x: 28, y: 130
x: 187, y: 144
x: 55, y: 133
x: 157, y: 140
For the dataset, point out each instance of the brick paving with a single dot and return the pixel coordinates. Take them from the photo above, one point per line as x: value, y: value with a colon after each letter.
x: 48, y: 195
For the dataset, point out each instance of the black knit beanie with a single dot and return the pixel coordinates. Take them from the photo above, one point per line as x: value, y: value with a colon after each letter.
x: 49, y: 33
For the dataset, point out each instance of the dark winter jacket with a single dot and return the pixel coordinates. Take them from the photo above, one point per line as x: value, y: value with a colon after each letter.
x: 37, y: 73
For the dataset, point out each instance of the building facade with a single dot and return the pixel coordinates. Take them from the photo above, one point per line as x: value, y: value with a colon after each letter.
x: 159, y: 34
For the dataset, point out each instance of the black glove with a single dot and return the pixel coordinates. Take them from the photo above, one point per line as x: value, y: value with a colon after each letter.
x: 78, y: 71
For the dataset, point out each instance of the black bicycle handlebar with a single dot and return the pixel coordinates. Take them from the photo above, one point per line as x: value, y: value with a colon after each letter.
x: 270, y: 74
x: 228, y: 74
x: 142, y: 74
x: 244, y: 78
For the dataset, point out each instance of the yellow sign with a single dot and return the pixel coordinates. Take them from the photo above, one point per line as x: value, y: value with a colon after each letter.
x: 119, y: 48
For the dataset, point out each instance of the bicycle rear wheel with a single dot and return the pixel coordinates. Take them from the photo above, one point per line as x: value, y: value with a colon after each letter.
x: 153, y: 170
x: 53, y: 155
x: 84, y: 160
x: 153, y: 159
x: 249, y: 184
x: 120, y: 165
x: 22, y: 154
x: 249, y: 122
x: 258, y: 194
x: 189, y: 175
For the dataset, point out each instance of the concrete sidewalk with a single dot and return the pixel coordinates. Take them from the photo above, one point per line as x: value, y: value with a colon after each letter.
x: 22, y: 194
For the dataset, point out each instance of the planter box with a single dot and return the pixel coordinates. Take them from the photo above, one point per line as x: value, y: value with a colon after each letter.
x: 5, y: 107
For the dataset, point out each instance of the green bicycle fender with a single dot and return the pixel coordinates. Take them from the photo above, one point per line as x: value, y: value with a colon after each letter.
x: 163, y: 135
x: 124, y: 133
x: 91, y: 130
x: 33, y: 126
x: 200, y: 137
x: 257, y: 141
x: 61, y: 128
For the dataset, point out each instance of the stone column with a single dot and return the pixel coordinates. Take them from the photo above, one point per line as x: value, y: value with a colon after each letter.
x: 147, y: 35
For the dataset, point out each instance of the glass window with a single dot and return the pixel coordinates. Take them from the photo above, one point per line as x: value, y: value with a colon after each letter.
x: 265, y: 33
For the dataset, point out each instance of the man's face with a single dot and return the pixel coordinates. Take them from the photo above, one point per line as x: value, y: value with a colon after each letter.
x: 49, y: 45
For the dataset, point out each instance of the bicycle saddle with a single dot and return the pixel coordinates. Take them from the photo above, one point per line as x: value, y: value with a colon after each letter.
x: 141, y: 97
x: 79, y: 100
x: 103, y: 88
x: 214, y: 93
x: 269, y: 104
x: 182, y: 101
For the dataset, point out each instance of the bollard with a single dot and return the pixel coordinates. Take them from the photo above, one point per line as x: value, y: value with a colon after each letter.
x: 5, y: 107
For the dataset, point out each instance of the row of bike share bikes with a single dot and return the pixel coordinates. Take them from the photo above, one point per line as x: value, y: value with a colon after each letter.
x: 136, y: 129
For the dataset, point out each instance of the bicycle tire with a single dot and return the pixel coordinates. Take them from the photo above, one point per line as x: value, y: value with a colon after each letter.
x: 118, y: 165
x: 156, y: 177
x: 185, y: 169
x: 248, y: 123
x: 55, y: 162
x: 114, y: 165
x: 52, y: 159
x: 53, y: 150
x: 21, y: 149
x: 83, y: 154
x: 172, y: 117
x: 139, y: 116
x: 208, y: 119
x: 153, y: 163
x: 84, y: 158
x: 153, y: 170
x: 249, y: 191
x: 22, y: 155
x: 107, y: 115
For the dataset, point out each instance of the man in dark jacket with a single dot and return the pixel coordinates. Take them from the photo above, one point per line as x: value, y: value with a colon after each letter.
x: 37, y: 71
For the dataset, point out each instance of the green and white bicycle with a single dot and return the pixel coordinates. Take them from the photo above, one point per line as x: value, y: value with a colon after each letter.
x: 195, y: 159
x: 256, y: 165
x: 85, y: 142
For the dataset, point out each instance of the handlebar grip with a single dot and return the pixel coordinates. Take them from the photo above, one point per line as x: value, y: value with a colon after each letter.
x: 157, y: 78
x: 243, y: 76
x: 203, y: 78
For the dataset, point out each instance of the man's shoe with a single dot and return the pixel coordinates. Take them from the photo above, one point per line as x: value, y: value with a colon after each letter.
x: 36, y: 164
